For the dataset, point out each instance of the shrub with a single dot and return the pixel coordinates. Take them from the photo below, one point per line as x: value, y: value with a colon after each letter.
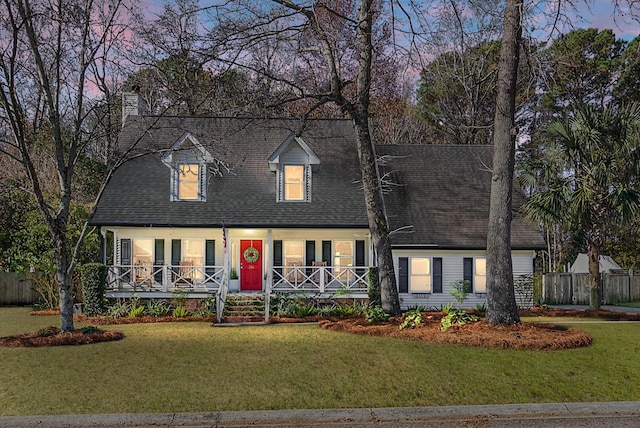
x: 328, y: 310
x: 456, y: 317
x: 459, y: 290
x: 373, y: 287
x: 180, y: 312
x: 136, y: 311
x: 302, y: 310
x: 376, y: 314
x: 412, y: 318
x: 135, y: 308
x: 179, y: 297
x: 93, y: 277
x: 157, y: 308
x: 207, y: 306
x: 446, y: 308
x: 118, y: 309
x: 345, y: 310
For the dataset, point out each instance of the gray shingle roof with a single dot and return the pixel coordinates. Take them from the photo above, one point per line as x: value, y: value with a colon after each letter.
x: 442, y: 191
x: 139, y: 192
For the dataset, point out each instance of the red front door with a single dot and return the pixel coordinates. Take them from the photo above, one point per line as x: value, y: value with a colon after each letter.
x: 250, y: 265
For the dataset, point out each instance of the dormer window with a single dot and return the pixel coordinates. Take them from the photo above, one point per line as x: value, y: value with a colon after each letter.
x: 293, y: 162
x: 188, y: 181
x: 188, y: 160
x: 294, y: 183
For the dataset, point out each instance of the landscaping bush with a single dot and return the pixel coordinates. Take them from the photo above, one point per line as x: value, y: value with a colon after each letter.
x: 93, y: 277
x: 373, y: 288
x: 376, y: 314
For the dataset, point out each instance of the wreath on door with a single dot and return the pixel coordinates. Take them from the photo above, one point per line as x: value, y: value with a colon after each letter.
x: 251, y: 254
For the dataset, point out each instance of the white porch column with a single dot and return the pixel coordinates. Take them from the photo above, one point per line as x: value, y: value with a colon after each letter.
x: 269, y: 261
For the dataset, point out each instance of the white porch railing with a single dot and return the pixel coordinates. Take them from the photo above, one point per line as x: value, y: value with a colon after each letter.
x: 221, y: 296
x: 164, y: 278
x: 322, y: 279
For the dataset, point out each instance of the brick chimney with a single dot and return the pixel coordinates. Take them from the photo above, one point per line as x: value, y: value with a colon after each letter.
x: 133, y: 104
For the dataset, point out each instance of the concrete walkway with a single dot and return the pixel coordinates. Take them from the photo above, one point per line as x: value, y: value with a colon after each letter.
x: 613, y: 414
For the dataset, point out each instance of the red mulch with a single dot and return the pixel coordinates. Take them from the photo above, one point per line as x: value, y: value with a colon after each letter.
x: 139, y: 320
x: 536, y: 336
x: 53, y: 336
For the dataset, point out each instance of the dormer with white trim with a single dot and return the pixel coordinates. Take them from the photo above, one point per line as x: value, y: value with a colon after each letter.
x: 188, y: 161
x: 294, y: 163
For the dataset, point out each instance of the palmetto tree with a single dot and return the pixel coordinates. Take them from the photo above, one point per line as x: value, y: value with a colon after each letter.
x: 595, y: 153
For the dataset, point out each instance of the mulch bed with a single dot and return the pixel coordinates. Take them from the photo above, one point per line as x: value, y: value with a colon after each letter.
x: 536, y: 336
x: 138, y: 320
x: 53, y: 336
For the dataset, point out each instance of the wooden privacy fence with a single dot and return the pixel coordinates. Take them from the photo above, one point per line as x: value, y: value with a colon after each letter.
x: 573, y: 288
x: 16, y: 289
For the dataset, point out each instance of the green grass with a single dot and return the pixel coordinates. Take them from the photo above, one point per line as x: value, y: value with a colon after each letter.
x: 628, y: 304
x: 192, y: 367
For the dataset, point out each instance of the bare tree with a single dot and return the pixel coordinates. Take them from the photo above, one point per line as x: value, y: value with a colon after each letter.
x: 501, y: 302
x: 332, y: 48
x: 48, y: 53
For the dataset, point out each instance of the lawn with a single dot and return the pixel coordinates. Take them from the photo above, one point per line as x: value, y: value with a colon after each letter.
x: 193, y: 367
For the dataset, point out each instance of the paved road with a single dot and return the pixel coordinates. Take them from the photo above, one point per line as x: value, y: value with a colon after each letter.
x: 575, y: 415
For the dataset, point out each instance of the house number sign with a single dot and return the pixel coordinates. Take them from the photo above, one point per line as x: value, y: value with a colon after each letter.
x: 251, y: 254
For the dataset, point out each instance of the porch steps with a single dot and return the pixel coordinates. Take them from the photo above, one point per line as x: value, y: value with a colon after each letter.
x: 243, y: 309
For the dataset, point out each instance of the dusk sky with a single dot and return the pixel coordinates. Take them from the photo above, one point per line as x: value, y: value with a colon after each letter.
x: 601, y: 17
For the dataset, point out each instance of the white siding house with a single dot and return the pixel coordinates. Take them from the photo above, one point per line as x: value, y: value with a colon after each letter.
x: 275, y: 205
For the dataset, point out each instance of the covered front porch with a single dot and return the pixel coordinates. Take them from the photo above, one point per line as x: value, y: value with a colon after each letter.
x: 123, y: 280
x: 163, y: 281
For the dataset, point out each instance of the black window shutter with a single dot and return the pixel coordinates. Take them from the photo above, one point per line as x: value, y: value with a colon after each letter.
x: 176, y: 256
x: 360, y: 257
x: 176, y: 250
x: 310, y: 255
x: 277, y: 257
x: 437, y: 274
x: 125, y: 258
x: 326, y: 252
x: 209, y: 256
x: 158, y: 259
x: 468, y: 272
x: 403, y: 275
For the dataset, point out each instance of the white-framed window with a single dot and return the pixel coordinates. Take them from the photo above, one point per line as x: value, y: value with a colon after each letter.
x: 294, y: 183
x: 480, y: 275
x: 192, y: 258
x: 293, y: 259
x: 343, y: 253
x: 142, y: 252
x: 420, y: 275
x: 188, y: 182
x: 293, y: 253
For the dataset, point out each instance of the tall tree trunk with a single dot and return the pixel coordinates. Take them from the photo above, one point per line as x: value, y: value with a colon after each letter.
x: 501, y: 302
x: 376, y: 213
x: 63, y: 281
